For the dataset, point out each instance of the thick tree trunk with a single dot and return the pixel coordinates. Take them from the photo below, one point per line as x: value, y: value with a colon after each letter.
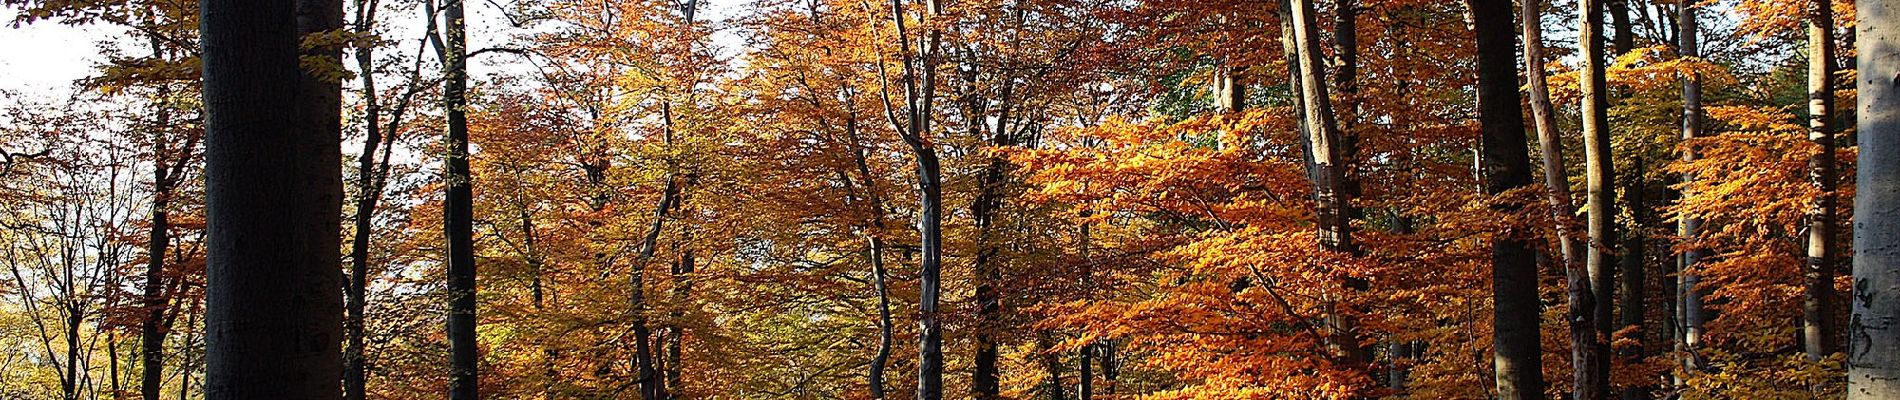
x: 1873, y: 357
x: 1599, y: 179
x: 1506, y: 166
x: 274, y: 193
x: 458, y: 210
x: 1689, y: 314
x: 1818, y: 279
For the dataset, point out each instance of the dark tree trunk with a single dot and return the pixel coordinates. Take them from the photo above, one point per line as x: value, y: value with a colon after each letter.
x: 458, y: 209
x: 1633, y: 287
x: 919, y: 83
x: 1506, y: 166
x: 1818, y: 279
x: 274, y: 316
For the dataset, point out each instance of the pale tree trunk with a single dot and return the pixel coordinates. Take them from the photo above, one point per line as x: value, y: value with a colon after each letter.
x: 274, y: 316
x: 1873, y: 356
x: 1817, y: 331
x: 1506, y: 166
x: 1599, y: 178
x: 1689, y: 314
x: 1550, y: 143
x: 1332, y: 195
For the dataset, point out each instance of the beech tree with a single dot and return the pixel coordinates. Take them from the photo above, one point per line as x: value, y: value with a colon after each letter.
x: 274, y: 314
x: 1873, y: 355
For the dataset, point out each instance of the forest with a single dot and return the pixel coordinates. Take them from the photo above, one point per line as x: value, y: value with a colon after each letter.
x: 966, y: 199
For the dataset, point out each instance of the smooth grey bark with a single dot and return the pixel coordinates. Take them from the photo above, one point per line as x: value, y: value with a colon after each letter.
x: 1689, y: 312
x: 1600, y: 204
x: 274, y: 314
x: 1506, y: 166
x: 1873, y: 357
x: 1817, y: 330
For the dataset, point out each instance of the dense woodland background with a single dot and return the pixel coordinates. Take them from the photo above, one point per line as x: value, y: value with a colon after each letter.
x: 1026, y: 199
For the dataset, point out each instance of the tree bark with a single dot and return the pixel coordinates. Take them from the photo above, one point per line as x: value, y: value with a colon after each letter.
x: 1818, y: 278
x: 1873, y: 357
x: 1688, y: 274
x: 1506, y: 166
x: 1632, y: 288
x: 919, y: 83
x: 1599, y: 179
x: 274, y: 194
x: 458, y: 210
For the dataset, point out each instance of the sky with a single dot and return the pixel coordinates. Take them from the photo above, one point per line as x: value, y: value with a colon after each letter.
x: 43, y: 59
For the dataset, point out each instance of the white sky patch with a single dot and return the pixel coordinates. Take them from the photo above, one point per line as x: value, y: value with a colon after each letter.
x: 44, y: 58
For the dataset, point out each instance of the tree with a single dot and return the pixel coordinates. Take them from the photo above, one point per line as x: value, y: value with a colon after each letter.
x: 1507, y: 167
x: 1818, y: 278
x: 274, y: 311
x: 1599, y: 177
x: 1873, y: 355
x: 1689, y: 313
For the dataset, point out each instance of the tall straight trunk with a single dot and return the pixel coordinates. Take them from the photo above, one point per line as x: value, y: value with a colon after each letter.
x: 1599, y: 178
x: 1873, y: 356
x: 167, y: 165
x: 1689, y: 314
x: 920, y: 86
x: 458, y: 210
x: 1506, y: 166
x: 1818, y: 279
x: 985, y: 380
x: 1582, y: 324
x: 274, y: 316
x: 1632, y: 288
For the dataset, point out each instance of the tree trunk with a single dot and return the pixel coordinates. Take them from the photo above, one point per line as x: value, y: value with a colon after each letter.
x: 1506, y: 164
x: 274, y: 315
x: 152, y: 328
x: 1818, y: 279
x: 920, y: 86
x: 1550, y: 143
x: 1599, y: 177
x: 1690, y: 314
x: 1873, y: 357
x: 458, y: 210
x: 1632, y: 283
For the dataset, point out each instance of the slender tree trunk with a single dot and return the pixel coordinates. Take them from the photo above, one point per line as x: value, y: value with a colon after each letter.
x: 875, y: 239
x: 274, y: 316
x: 1873, y: 357
x: 1550, y: 143
x: 1506, y: 164
x: 920, y: 86
x: 1622, y: 33
x: 1632, y: 281
x: 1599, y: 179
x: 369, y: 190
x: 1818, y: 279
x: 152, y: 329
x: 1051, y: 365
x: 1688, y: 273
x: 652, y: 385
x: 458, y: 210
x: 1332, y: 194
